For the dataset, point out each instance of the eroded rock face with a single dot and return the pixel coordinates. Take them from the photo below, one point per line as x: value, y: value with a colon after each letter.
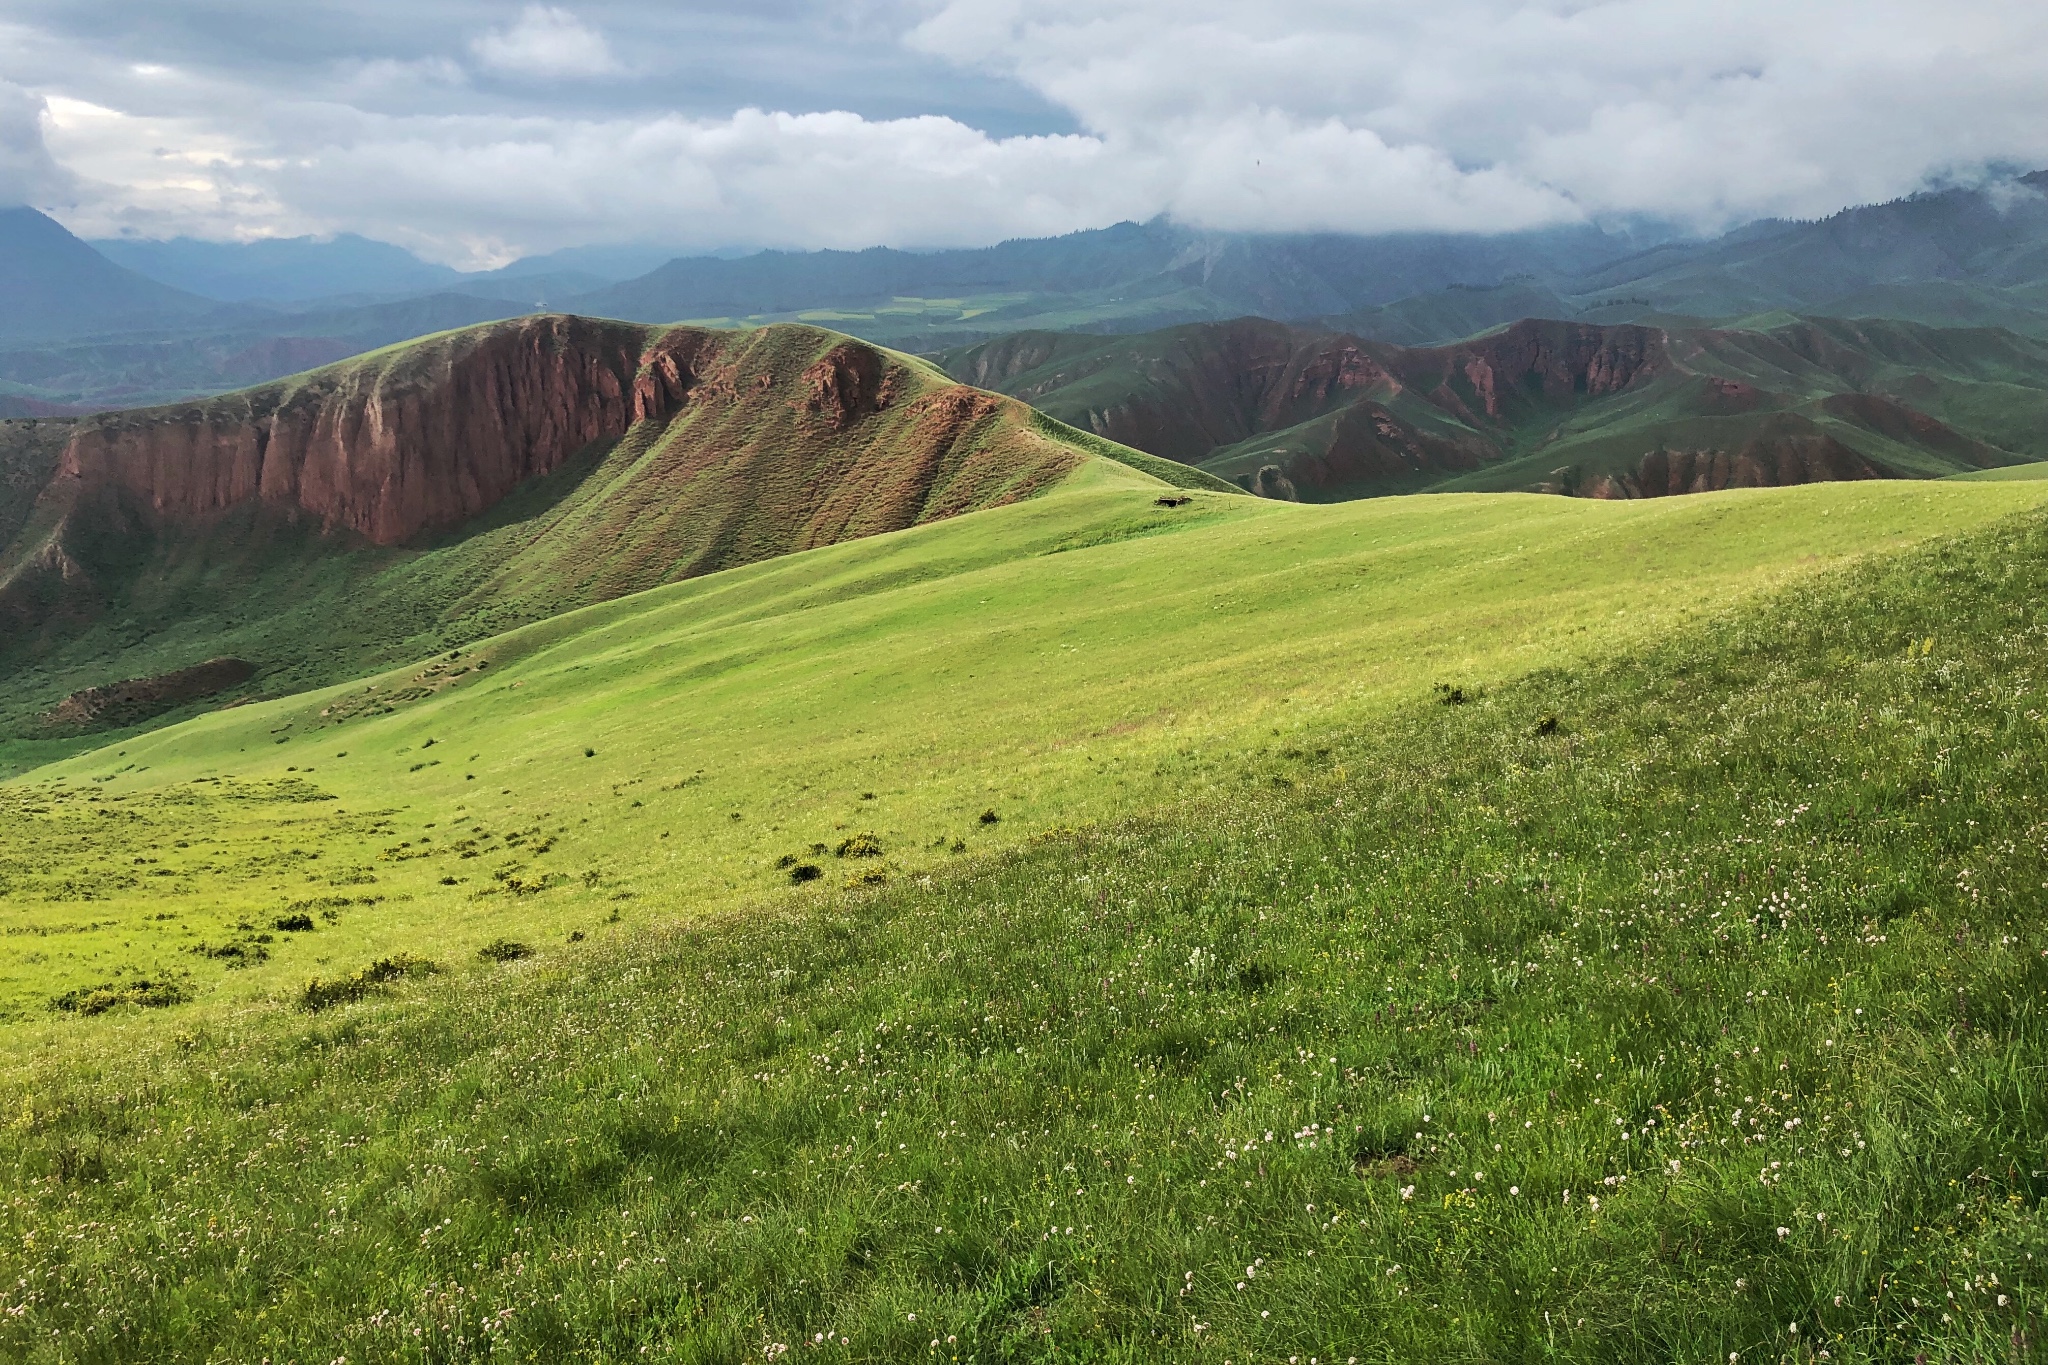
x: 433, y: 438
x: 1762, y: 462
x: 1480, y: 380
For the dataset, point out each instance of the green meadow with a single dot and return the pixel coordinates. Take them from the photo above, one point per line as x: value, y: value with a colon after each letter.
x: 858, y: 714
x: 1669, y: 989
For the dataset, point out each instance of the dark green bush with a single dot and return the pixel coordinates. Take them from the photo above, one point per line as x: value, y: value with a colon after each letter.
x: 504, y: 950
x: 319, y: 995
x: 860, y: 846
x: 100, y: 999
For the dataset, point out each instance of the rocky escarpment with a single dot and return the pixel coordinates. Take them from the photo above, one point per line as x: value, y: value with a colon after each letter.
x: 419, y: 438
x: 1770, y: 460
x: 1496, y: 378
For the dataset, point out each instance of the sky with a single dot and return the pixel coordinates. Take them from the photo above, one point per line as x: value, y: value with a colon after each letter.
x: 475, y: 132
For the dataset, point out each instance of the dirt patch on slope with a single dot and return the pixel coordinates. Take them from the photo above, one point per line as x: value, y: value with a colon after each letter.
x: 139, y: 699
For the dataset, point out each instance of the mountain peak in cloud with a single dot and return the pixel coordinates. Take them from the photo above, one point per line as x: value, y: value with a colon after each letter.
x: 548, y: 43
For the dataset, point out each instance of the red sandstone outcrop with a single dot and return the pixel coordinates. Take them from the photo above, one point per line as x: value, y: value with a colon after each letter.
x: 433, y: 436
x: 1479, y: 380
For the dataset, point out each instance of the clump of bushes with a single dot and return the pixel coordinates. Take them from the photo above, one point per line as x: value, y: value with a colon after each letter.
x: 805, y: 872
x: 504, y: 950
x: 293, y: 924
x: 860, y: 846
x: 989, y: 817
x: 100, y: 999
x: 867, y: 876
x: 320, y: 995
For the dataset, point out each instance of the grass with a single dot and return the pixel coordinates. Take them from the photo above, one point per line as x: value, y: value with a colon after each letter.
x: 1058, y: 662
x: 1680, y: 1004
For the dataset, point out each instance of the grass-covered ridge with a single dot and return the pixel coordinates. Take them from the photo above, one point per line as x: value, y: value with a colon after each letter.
x: 761, y: 443
x: 1666, y: 1008
x: 1061, y: 661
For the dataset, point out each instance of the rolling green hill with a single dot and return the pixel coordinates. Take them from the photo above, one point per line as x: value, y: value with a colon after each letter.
x: 1056, y: 661
x: 1611, y: 411
x: 1488, y: 925
x: 593, y: 460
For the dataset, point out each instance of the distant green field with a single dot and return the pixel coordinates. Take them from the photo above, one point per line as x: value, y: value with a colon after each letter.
x: 2018, y: 473
x: 957, y: 688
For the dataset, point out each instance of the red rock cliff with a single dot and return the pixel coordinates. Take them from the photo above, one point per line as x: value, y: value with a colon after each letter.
x: 390, y: 446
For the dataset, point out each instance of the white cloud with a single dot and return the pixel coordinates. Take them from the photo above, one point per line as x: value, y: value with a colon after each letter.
x: 28, y: 173
x: 1353, y: 115
x: 548, y: 43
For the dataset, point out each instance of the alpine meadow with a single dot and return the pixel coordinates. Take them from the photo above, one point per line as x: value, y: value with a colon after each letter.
x: 641, y: 728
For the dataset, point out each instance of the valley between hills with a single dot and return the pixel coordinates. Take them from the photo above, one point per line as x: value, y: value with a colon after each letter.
x: 571, y: 838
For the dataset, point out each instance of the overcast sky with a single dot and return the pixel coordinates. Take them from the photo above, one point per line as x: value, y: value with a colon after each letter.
x: 475, y: 132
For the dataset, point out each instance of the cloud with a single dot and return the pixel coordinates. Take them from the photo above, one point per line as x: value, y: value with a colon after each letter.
x: 1347, y: 115
x: 1705, y: 111
x: 28, y: 173
x: 548, y: 43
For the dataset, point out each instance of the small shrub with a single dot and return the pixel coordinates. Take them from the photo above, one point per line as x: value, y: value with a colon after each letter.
x: 575, y: 936
x: 868, y: 876
x: 805, y: 872
x: 821, y: 848
x: 293, y: 924
x: 504, y: 950
x: 860, y: 846
x: 100, y: 999
x: 320, y: 995
x: 590, y: 753
x: 1449, y: 695
x: 989, y: 817
x: 786, y: 860
x: 1547, y: 726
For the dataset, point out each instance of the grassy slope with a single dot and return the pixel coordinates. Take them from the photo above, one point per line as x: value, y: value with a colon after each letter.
x: 1058, y: 661
x: 1697, y: 1026
x: 728, y: 481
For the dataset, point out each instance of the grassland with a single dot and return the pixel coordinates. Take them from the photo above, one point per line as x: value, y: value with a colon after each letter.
x: 1674, y: 995
x: 1054, y: 663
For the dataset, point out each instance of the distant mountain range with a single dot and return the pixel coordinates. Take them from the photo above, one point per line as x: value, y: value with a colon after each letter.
x: 137, y: 322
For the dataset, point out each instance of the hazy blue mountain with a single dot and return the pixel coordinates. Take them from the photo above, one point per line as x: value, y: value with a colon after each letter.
x: 606, y: 264
x: 54, y: 285
x: 280, y: 269
x: 1095, y: 278
x: 1960, y: 255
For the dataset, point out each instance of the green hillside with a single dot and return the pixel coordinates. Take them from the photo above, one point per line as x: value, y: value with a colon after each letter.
x: 750, y: 467
x: 1059, y: 661
x: 1664, y: 995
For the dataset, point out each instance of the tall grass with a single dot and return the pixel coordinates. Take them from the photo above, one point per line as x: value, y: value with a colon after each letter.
x: 1705, y: 1024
